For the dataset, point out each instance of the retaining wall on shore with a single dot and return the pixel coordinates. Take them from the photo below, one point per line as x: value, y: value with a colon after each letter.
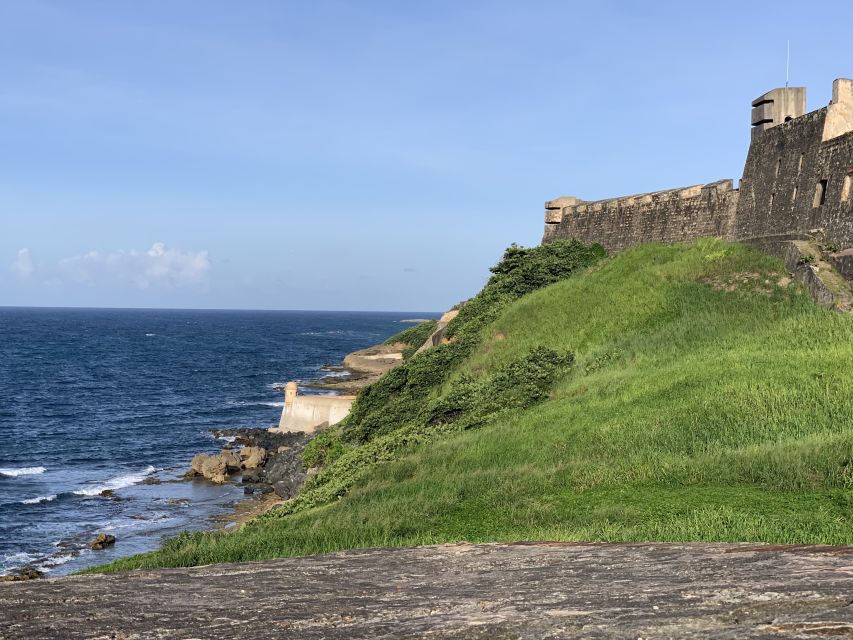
x: 307, y: 413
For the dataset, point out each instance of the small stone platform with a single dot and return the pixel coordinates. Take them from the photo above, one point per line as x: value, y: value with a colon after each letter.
x: 521, y: 591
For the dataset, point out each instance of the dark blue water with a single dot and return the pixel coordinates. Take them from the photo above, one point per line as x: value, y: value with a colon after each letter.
x: 103, y: 399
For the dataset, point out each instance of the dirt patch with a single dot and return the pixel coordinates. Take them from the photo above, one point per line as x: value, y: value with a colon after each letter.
x: 750, y: 282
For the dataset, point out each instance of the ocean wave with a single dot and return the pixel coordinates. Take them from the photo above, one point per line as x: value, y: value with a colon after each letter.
x: 49, y: 498
x: 49, y: 564
x: 119, y: 482
x: 21, y: 557
x: 23, y: 471
x: 149, y: 335
x: 252, y: 403
x: 331, y: 332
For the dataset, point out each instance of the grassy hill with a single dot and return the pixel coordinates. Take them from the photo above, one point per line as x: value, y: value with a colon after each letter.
x: 672, y: 393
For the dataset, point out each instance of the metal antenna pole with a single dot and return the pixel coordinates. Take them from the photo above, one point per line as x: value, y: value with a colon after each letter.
x: 788, y: 65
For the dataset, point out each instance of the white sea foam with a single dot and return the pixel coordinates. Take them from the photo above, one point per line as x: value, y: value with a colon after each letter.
x: 54, y: 561
x: 332, y: 332
x: 252, y: 403
x: 23, y: 471
x: 148, y: 335
x: 49, y: 498
x: 119, y: 482
x: 335, y: 374
x: 227, y: 438
x: 20, y: 558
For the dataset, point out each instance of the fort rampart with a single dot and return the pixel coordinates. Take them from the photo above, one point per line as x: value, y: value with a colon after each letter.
x: 797, y: 184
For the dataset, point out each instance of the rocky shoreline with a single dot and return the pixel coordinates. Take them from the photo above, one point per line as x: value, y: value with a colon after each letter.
x: 268, y: 464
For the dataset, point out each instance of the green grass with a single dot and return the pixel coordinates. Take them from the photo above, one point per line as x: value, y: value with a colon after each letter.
x: 691, y: 412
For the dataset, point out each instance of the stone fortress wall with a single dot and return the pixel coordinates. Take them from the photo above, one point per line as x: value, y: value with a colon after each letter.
x: 662, y: 216
x: 797, y: 184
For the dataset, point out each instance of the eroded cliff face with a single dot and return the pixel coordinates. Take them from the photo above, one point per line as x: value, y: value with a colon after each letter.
x: 459, y: 591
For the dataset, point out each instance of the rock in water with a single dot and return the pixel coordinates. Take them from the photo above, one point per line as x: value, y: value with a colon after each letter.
x: 232, y: 460
x: 254, y: 457
x: 215, y: 469
x: 102, y: 541
x: 198, y: 460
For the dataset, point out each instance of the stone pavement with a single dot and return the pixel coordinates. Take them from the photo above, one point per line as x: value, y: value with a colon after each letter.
x: 497, y: 591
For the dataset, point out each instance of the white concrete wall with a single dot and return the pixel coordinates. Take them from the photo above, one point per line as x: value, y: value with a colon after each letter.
x: 306, y: 413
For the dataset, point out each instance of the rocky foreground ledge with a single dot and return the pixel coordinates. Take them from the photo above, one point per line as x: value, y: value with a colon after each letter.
x: 525, y: 591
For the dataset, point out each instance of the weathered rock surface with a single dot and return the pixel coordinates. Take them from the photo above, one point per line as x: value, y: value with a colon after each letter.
x: 460, y: 591
x: 27, y: 572
x: 102, y: 541
x: 215, y: 469
x: 232, y: 460
x: 253, y: 457
x: 437, y: 337
x: 198, y: 461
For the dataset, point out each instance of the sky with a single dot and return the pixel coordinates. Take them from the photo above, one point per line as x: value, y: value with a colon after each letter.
x: 357, y: 155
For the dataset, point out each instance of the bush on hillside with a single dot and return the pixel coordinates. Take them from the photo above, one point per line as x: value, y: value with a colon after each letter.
x: 402, y: 395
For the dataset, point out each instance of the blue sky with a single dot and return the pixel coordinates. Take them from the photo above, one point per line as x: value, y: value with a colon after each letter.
x: 357, y: 155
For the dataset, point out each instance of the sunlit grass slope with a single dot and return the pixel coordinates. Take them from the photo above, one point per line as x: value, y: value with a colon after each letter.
x: 706, y: 402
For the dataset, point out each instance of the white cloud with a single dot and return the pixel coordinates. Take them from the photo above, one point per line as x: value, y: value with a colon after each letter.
x: 23, y: 265
x: 158, y: 267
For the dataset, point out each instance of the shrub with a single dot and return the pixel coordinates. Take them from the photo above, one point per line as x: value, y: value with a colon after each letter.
x: 400, y: 397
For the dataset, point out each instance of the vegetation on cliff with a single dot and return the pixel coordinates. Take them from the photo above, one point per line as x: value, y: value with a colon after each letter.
x: 413, y: 337
x: 675, y: 393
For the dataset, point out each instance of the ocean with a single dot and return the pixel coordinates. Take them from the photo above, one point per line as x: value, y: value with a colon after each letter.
x: 95, y: 399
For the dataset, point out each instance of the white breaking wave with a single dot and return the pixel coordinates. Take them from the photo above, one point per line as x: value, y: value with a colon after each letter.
x: 119, y: 482
x: 23, y: 471
x: 21, y: 556
x: 49, y: 498
x: 227, y: 438
x: 51, y: 563
x: 252, y: 403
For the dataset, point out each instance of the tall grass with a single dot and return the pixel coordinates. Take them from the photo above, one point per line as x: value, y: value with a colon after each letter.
x: 706, y: 402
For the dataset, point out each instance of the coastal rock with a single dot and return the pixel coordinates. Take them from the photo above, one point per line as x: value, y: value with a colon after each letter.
x: 151, y: 480
x: 109, y: 493
x: 253, y: 457
x: 102, y: 541
x: 215, y: 469
x: 232, y: 460
x: 27, y: 572
x: 198, y: 461
x: 437, y: 337
x: 289, y: 487
x: 257, y: 489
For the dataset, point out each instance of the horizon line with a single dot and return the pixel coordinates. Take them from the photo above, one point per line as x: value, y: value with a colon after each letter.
x: 76, y: 308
